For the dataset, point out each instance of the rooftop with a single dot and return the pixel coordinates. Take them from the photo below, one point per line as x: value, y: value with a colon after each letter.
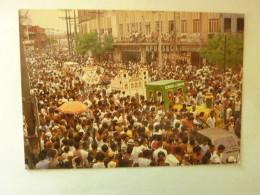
x: 164, y: 82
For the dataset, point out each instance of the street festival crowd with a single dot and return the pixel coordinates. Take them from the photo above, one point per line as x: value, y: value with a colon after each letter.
x: 119, y: 131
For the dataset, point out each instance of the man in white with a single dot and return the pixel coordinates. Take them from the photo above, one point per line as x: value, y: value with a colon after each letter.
x: 43, y: 163
x: 237, y: 107
x: 100, y: 160
x: 160, y: 149
x: 211, y: 120
x: 217, y: 156
x: 172, y: 160
x: 144, y: 161
x: 84, y: 152
x: 228, y: 112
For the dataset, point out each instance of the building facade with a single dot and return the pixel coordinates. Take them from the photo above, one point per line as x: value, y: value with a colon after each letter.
x: 37, y: 35
x: 232, y: 23
x: 136, y: 33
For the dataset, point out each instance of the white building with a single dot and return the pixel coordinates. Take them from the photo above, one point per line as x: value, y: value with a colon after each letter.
x: 133, y: 85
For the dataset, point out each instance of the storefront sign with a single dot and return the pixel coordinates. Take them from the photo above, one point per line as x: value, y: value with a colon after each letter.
x: 155, y: 48
x: 174, y: 85
x: 130, y: 48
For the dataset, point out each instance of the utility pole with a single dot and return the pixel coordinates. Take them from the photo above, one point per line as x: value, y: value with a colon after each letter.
x: 160, y: 42
x: 75, y: 28
x: 69, y: 31
x: 27, y: 98
x: 75, y: 24
x: 99, y: 37
x: 68, y: 37
x: 71, y: 48
x: 225, y: 47
x: 200, y: 39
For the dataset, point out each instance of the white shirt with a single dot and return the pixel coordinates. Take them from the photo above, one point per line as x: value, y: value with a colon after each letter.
x: 155, y: 153
x: 237, y: 105
x: 176, y: 121
x: 135, y: 153
x: 204, y: 148
x: 172, y: 160
x: 142, y: 148
x: 211, y: 122
x: 144, y: 162
x: 228, y: 113
x: 99, y: 165
x: 199, y: 98
x: 194, y: 113
x: 215, y: 158
x: 84, y: 155
x: 43, y: 164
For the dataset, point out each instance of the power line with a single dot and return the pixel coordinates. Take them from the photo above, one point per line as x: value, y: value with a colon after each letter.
x: 70, y: 20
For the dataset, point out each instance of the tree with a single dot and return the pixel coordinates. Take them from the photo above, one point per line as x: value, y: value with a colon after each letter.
x: 89, y: 42
x: 214, y: 51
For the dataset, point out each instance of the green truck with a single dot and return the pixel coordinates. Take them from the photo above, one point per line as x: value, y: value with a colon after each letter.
x: 165, y: 90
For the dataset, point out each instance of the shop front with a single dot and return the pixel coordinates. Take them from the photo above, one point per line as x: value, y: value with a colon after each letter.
x: 130, y: 53
x: 149, y: 52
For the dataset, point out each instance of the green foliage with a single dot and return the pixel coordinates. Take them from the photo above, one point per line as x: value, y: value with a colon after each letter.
x: 90, y: 42
x: 214, y: 51
x: 107, y: 43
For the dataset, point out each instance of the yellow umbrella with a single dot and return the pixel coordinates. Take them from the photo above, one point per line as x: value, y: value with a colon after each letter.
x: 74, y: 107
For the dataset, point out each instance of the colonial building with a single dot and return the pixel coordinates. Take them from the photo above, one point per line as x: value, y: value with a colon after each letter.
x: 136, y: 33
x: 232, y: 23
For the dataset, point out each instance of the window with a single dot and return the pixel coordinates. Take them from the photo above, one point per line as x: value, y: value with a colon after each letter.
x: 136, y: 85
x: 171, y: 25
x: 170, y: 95
x: 157, y: 26
x: 159, y: 96
x: 196, y: 26
x: 128, y: 28
x: 132, y: 85
x: 140, y: 84
x: 240, y: 24
x: 183, y: 26
x: 147, y: 29
x: 121, y: 27
x: 140, y: 27
x: 213, y: 25
x: 227, y: 25
x: 126, y: 86
x: 132, y: 27
x: 150, y: 96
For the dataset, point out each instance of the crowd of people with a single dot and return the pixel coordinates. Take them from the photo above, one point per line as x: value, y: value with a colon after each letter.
x: 120, y: 131
x: 138, y: 36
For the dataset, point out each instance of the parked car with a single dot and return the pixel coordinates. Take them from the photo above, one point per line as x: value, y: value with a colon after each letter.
x: 219, y: 136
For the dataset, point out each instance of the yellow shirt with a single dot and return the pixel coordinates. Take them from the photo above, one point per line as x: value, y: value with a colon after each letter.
x: 129, y: 133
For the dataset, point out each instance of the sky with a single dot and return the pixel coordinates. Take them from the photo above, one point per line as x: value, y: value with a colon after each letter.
x: 49, y: 19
